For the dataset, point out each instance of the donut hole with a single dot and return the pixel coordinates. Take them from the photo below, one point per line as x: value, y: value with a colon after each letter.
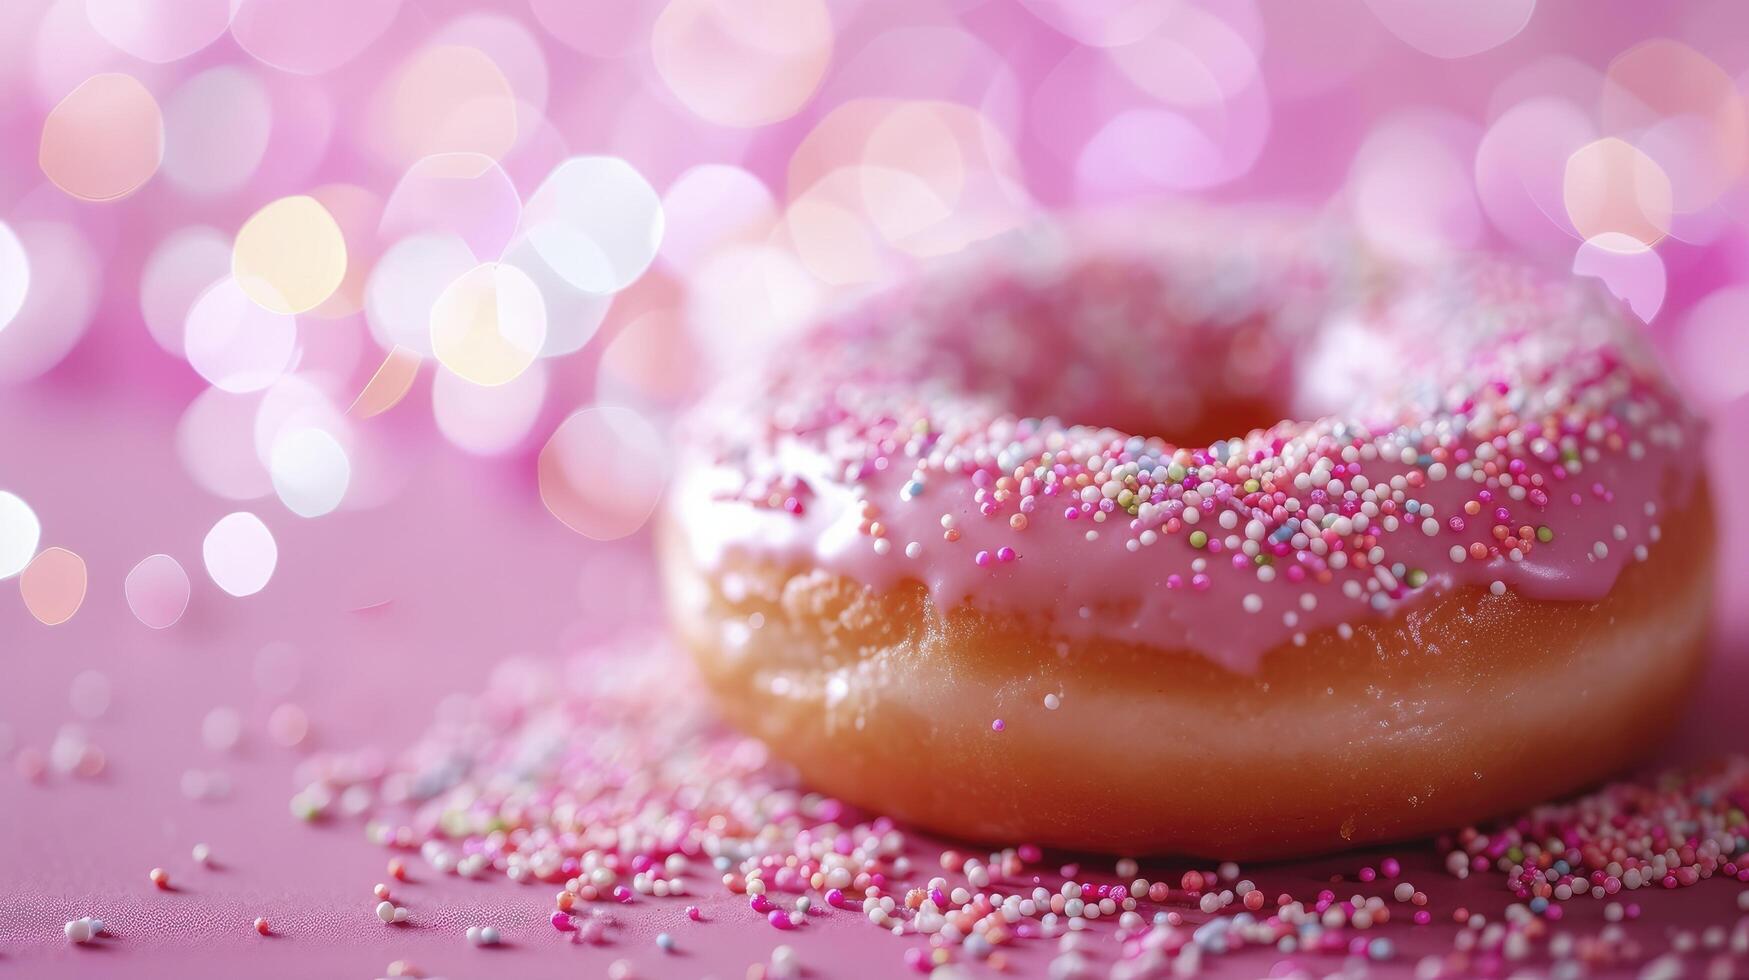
x: 1216, y: 418
x: 1175, y: 374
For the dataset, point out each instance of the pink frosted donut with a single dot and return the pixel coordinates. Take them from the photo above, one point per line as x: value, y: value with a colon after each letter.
x: 1023, y: 551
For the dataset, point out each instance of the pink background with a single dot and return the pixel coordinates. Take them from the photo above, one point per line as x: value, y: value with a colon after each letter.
x: 443, y: 560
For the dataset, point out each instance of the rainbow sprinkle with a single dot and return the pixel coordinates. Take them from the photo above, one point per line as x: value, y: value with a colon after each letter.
x: 612, y: 783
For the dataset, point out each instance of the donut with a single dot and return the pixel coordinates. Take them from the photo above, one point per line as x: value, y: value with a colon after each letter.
x: 1210, y: 534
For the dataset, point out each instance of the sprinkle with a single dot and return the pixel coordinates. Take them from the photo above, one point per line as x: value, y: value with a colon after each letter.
x: 665, y: 942
x: 262, y: 927
x: 160, y: 878
x: 203, y: 855
x: 1053, y: 702
x: 997, y: 725
x: 794, y: 855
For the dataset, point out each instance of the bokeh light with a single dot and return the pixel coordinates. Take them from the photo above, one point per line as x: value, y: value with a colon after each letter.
x: 742, y: 62
x: 467, y: 195
x: 405, y: 284
x: 215, y: 440
x: 216, y: 130
x: 487, y: 421
x: 1521, y: 165
x: 309, y: 37
x: 388, y: 384
x: 1611, y: 187
x: 601, y: 30
x: 597, y: 222
x: 573, y: 315
x: 20, y: 531
x: 289, y: 256
x: 513, y: 48
x: 1709, y: 355
x: 711, y: 205
x: 1411, y: 186
x: 65, y: 286
x: 640, y: 368
x: 602, y: 471
x: 157, y: 591
x: 159, y: 31
x: 919, y: 178
x: 183, y: 266
x: 1103, y: 23
x: 299, y: 401
x: 240, y: 554
x: 489, y: 325
x: 104, y: 139
x: 1682, y: 111
x: 14, y: 275
x: 1635, y: 274
x: 448, y: 98
x: 1448, y: 30
x: 310, y: 471
x: 358, y: 212
x: 53, y: 586
x: 235, y: 343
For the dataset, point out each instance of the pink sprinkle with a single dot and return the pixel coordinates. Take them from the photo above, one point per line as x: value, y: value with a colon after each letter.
x: 1005, y: 553
x: 982, y: 558
x: 834, y: 898
x: 563, y: 922
x: 997, y: 725
x: 694, y: 914
x: 622, y: 894
x: 780, y: 919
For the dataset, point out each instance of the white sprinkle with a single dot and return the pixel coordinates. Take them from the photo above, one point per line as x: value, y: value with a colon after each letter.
x: 1052, y: 702
x: 1497, y: 587
x: 913, y: 549
x: 1253, y: 603
x: 386, y: 912
x: 202, y: 854
x: 79, y: 931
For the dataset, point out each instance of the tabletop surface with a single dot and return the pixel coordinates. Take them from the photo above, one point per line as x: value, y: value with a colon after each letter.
x: 370, y: 621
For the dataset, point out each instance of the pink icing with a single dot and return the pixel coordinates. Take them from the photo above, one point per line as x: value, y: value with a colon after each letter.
x: 1431, y: 391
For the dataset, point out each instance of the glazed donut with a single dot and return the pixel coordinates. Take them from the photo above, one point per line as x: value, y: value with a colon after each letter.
x: 1021, y: 552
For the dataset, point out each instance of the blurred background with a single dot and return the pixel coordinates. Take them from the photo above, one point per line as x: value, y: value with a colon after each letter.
x: 330, y: 328
x: 282, y: 244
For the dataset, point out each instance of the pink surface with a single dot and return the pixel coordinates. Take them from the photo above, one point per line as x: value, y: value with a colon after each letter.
x: 444, y: 561
x: 389, y: 612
